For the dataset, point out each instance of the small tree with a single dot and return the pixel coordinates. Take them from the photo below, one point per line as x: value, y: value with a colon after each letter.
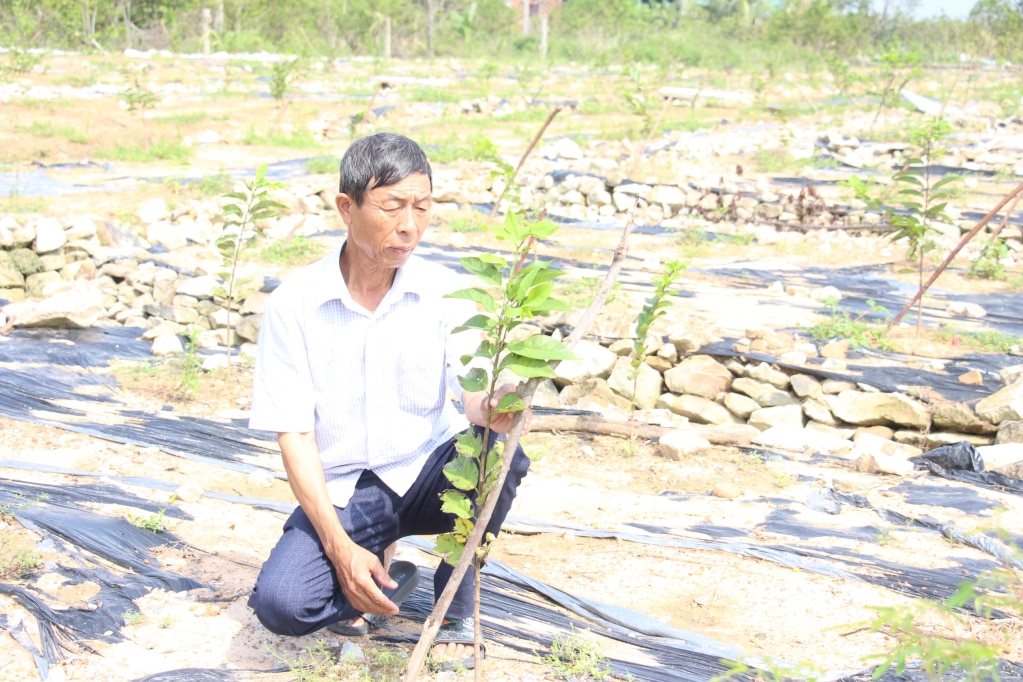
x: 521, y: 294
x: 242, y: 211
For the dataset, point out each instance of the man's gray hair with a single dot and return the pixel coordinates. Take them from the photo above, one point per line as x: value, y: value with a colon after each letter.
x: 380, y: 160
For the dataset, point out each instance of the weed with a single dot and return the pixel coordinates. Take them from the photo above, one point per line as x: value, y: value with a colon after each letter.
x: 319, y: 663
x: 214, y: 184
x: 884, y: 537
x: 138, y: 97
x: 242, y: 213
x: 927, y: 631
x: 191, y: 365
x: 191, y: 118
x: 575, y: 656
x: 153, y: 522
x: 989, y: 263
x: 475, y: 147
x: 47, y: 129
x: 132, y: 617
x: 985, y: 342
x: 579, y: 293
x: 841, y: 325
x: 165, y: 622
x: 470, y: 223
x: 18, y: 563
x: 296, y: 139
x: 160, y: 150
x: 294, y: 251
x: 323, y: 164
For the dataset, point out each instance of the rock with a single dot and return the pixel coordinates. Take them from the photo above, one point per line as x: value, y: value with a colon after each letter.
x: 566, y: 148
x: 213, y: 363
x: 933, y: 439
x: 167, y: 344
x: 882, y: 432
x: 80, y: 306
x: 763, y: 372
x: 594, y: 361
x: 836, y: 350
x: 594, y: 391
x: 1005, y: 459
x: 667, y: 195
x: 1010, y: 432
x: 153, y: 210
x: 166, y: 234
x: 696, y: 409
x: 202, y: 287
x: 657, y: 363
x: 1011, y: 374
x: 972, y: 378
x: 960, y: 418
x: 643, y: 390
x: 869, y: 443
x: 817, y: 411
x: 189, y: 492
x: 866, y: 409
x: 10, y: 276
x: 26, y: 261
x: 964, y: 309
x: 688, y: 339
x: 835, y: 386
x: 1005, y: 405
x: 806, y: 386
x: 741, y: 406
x: 795, y: 438
x: 699, y: 375
x: 261, y: 479
x: 764, y: 394
x: 49, y: 235
x: 248, y: 327
x: 726, y: 490
x: 678, y: 444
x: 878, y: 463
x: 767, y: 417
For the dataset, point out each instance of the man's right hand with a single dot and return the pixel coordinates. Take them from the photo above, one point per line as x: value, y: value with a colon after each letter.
x: 359, y: 572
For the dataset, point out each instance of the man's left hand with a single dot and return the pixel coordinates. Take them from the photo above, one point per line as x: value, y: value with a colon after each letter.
x: 500, y: 422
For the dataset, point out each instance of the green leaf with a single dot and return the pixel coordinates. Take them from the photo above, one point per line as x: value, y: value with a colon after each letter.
x: 948, y: 179
x: 468, y: 444
x: 538, y: 294
x: 542, y: 229
x: 481, y: 322
x: 510, y: 402
x: 475, y: 380
x: 477, y: 295
x: 542, y: 347
x: 485, y: 271
x: 463, y: 472
x: 454, y: 502
x: 449, y: 548
x: 526, y: 367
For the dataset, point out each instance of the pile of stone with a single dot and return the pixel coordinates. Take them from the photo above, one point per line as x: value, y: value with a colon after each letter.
x: 740, y: 400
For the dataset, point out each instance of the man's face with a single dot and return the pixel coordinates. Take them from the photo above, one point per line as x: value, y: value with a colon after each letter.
x: 387, y: 227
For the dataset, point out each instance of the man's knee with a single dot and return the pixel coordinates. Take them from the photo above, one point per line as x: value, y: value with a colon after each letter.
x: 281, y: 609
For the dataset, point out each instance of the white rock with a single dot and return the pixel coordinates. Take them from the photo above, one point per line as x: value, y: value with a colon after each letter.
x: 964, y: 309
x: 680, y: 443
x: 49, y: 235
x: 167, y: 344
x: 153, y: 210
x: 261, y: 479
x: 215, y: 362
x: 189, y: 492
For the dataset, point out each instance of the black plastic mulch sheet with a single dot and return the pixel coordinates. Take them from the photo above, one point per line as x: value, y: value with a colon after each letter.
x: 90, y: 542
x: 54, y: 396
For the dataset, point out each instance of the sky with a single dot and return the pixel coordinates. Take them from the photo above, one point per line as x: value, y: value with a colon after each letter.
x: 956, y: 9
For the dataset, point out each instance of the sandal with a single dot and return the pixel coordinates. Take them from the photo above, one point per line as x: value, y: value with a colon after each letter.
x: 460, y: 631
x: 406, y: 574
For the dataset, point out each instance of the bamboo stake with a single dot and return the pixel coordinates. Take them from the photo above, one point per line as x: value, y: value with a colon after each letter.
x: 554, y: 112
x: 951, y: 256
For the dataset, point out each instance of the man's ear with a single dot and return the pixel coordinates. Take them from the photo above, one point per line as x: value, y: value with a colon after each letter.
x: 344, y: 205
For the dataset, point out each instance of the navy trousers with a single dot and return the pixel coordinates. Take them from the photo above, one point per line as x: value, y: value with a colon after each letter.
x: 297, y: 591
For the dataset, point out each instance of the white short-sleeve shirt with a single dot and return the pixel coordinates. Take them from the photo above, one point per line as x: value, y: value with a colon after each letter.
x: 373, y: 386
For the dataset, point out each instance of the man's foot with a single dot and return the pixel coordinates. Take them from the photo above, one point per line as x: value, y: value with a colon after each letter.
x: 453, y: 647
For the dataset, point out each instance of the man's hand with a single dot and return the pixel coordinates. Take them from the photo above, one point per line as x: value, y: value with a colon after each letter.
x: 475, y: 404
x: 359, y: 571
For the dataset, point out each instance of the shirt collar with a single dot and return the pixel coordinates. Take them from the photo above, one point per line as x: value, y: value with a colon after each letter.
x: 331, y: 284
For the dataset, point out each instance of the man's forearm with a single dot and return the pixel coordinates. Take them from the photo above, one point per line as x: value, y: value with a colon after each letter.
x: 305, y: 476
